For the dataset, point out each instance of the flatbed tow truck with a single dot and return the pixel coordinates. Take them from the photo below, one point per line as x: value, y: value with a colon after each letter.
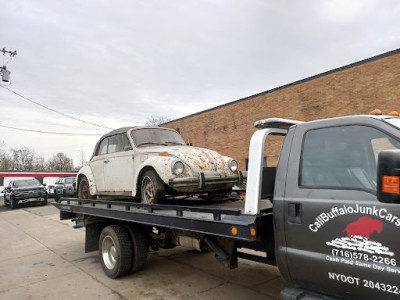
x: 327, y: 215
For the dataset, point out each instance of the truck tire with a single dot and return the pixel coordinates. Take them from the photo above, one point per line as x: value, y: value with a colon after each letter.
x: 139, y: 248
x: 84, y: 190
x: 45, y: 201
x: 115, y: 249
x: 57, y: 197
x: 13, y: 202
x: 152, y: 188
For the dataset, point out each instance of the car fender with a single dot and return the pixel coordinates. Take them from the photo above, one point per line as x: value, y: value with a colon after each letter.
x: 86, y: 171
x: 161, y: 165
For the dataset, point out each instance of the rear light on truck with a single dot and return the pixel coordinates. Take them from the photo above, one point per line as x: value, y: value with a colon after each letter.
x: 391, y: 184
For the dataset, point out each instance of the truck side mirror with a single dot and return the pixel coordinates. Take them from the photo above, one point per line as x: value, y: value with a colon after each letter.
x: 388, y: 181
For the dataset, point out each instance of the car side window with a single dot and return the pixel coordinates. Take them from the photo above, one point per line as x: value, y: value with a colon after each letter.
x: 103, y: 147
x: 125, y: 142
x: 343, y: 157
x: 114, y: 143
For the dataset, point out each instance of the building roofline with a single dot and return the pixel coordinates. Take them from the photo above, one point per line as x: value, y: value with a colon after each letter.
x: 345, y: 67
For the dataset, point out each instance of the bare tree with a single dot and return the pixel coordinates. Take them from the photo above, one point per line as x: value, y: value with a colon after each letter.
x: 155, y: 120
x: 82, y: 158
x: 22, y: 158
x: 5, y: 159
x: 60, y: 161
x: 39, y: 163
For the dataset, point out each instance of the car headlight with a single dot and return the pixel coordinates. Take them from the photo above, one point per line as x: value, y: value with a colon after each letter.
x: 177, y: 167
x: 233, y: 165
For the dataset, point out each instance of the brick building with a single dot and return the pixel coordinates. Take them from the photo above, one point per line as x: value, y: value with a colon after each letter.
x: 354, y: 89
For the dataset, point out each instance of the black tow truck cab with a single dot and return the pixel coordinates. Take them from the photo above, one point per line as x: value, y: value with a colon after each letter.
x: 327, y: 215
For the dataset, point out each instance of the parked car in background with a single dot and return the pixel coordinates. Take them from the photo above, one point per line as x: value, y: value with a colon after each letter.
x: 150, y: 163
x: 65, y: 187
x: 50, y: 190
x: 24, y: 191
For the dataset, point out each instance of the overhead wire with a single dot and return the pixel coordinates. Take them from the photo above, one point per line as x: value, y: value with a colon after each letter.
x: 53, y: 110
x: 52, y: 132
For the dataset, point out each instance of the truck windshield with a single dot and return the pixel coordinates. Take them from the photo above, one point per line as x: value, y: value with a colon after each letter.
x: 156, y: 136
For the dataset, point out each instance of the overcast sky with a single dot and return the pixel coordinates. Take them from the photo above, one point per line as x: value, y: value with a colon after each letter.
x: 116, y: 63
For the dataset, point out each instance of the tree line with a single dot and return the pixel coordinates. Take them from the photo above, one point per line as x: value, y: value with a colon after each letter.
x: 25, y: 159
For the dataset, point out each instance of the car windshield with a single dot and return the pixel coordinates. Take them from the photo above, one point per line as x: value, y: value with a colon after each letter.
x: 156, y: 136
x: 69, y: 180
x: 26, y: 183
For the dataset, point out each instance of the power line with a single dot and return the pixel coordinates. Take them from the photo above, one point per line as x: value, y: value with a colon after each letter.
x: 53, y: 110
x: 52, y: 132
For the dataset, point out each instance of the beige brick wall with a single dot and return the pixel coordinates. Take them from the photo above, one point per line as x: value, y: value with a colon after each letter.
x: 352, y: 90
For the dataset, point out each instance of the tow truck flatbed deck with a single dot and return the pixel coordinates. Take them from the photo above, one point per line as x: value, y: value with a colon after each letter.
x: 215, y: 218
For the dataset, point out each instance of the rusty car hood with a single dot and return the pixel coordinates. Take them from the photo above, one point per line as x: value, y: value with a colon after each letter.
x: 202, y: 159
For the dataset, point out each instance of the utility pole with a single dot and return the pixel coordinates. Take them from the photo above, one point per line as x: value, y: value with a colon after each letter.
x: 5, y: 74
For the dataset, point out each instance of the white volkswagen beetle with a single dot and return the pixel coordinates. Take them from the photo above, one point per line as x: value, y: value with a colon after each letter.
x: 151, y: 163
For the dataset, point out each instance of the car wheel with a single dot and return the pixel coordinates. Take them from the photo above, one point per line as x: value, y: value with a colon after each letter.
x: 13, y: 202
x: 44, y: 201
x: 84, y: 190
x: 115, y: 250
x: 57, y: 197
x: 152, y: 189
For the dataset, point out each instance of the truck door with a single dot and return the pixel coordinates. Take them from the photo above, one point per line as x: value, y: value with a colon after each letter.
x: 340, y: 239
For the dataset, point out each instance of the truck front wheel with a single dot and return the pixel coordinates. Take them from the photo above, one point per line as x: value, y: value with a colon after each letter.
x: 115, y: 249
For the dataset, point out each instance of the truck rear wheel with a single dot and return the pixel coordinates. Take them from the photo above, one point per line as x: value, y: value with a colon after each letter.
x: 152, y: 189
x: 115, y: 249
x: 139, y: 248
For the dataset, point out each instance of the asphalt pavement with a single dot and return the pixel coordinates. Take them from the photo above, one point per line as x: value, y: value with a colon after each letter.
x: 42, y: 257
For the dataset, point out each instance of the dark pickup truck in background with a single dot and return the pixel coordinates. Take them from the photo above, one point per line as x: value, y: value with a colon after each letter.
x: 327, y: 215
x: 24, y: 191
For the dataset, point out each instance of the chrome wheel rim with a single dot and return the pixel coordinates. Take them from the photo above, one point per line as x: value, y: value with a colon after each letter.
x: 109, y: 252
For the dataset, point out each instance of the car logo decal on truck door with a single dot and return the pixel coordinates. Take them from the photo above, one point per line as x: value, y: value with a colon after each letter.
x: 358, y: 239
x: 364, y: 227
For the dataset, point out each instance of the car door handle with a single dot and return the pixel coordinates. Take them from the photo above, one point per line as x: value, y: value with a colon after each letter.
x: 106, y: 161
x: 294, y: 213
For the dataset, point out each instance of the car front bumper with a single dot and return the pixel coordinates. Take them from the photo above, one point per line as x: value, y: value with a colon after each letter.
x: 39, y: 199
x: 204, y: 183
